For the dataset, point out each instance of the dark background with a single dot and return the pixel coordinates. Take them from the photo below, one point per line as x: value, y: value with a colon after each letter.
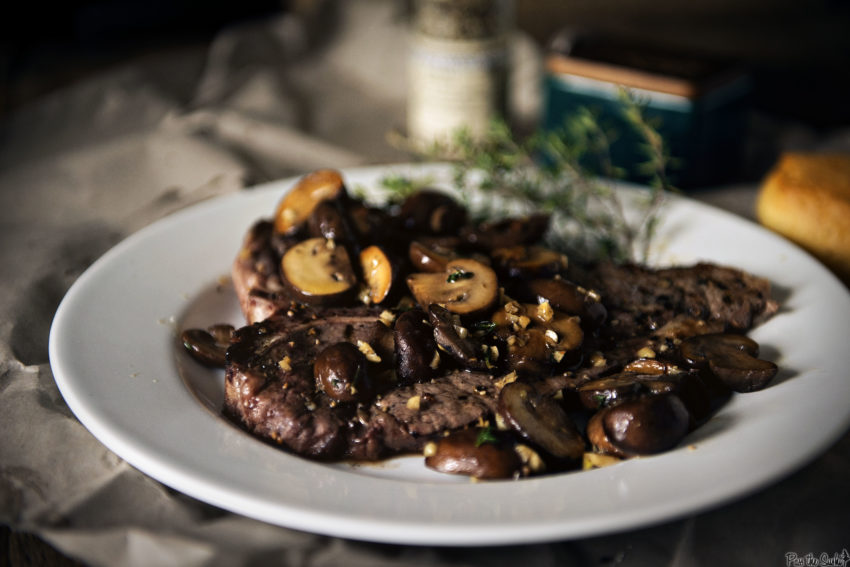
x: 797, y: 51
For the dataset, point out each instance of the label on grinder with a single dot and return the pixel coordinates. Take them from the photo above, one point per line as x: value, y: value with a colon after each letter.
x: 454, y: 84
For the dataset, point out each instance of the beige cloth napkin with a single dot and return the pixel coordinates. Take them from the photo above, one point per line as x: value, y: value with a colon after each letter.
x: 86, y: 166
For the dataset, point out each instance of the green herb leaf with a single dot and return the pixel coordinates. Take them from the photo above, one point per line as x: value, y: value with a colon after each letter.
x: 550, y: 170
x: 486, y: 435
x: 483, y: 326
x: 458, y: 275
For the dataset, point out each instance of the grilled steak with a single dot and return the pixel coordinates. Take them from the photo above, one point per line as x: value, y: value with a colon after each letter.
x: 270, y: 390
x: 489, y: 306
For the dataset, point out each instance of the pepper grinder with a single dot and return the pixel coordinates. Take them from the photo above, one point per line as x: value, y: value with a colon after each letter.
x: 458, y: 67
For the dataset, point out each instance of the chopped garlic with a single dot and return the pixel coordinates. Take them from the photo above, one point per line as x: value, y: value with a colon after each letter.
x: 646, y: 352
x: 387, y: 318
x: 435, y: 362
x: 530, y: 458
x: 598, y: 460
x: 545, y: 311
x: 413, y: 403
x: 368, y: 351
x: 285, y: 363
x: 506, y: 379
x: 430, y: 449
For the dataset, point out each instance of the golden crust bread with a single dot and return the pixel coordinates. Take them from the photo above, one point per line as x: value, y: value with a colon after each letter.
x: 806, y: 198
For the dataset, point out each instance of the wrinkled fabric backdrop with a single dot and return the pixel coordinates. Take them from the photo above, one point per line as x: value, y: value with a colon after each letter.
x: 90, y: 164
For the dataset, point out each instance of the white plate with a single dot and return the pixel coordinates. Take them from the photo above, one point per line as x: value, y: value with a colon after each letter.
x: 116, y: 359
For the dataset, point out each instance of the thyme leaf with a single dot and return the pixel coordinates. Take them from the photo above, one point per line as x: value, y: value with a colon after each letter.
x: 486, y: 435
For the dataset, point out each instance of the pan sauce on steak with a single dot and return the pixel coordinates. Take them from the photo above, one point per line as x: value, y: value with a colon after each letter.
x: 475, y: 344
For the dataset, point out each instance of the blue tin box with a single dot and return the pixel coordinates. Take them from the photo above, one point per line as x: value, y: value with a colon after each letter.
x: 698, y: 105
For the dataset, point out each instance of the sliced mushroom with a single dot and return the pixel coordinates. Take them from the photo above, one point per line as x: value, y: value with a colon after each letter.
x: 465, y: 287
x: 341, y: 372
x: 416, y: 356
x: 604, y: 392
x: 479, y: 453
x: 540, y: 420
x: 643, y: 426
x: 328, y: 221
x: 529, y: 261
x: 560, y: 333
x: 514, y: 231
x: 379, y: 273
x: 432, y: 212
x: 295, y: 208
x: 429, y: 258
x: 208, y: 346
x: 565, y: 296
x: 454, y: 339
x: 319, y: 271
x: 731, y: 358
x: 528, y: 351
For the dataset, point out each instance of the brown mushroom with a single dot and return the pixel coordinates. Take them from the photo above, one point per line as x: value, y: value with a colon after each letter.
x: 565, y: 296
x: 479, y: 453
x: 454, y: 339
x: 319, y: 271
x: 528, y: 261
x: 416, y: 356
x: 532, y: 326
x: 642, y: 426
x: 341, y: 372
x: 432, y: 212
x: 731, y: 358
x: 465, y: 287
x: 429, y: 258
x: 610, y: 390
x: 297, y: 205
x: 513, y: 231
x: 328, y: 221
x: 527, y: 351
x: 541, y: 420
x: 208, y: 346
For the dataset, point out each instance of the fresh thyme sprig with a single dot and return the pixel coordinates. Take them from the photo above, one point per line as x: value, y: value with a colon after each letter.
x: 570, y: 173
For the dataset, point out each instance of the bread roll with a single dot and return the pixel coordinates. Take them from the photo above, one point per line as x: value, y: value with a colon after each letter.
x: 806, y: 198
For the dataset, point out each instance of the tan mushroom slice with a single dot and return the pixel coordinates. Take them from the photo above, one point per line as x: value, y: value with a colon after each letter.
x: 465, y: 287
x: 319, y: 271
x: 731, y: 358
x: 297, y: 205
x: 379, y: 273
